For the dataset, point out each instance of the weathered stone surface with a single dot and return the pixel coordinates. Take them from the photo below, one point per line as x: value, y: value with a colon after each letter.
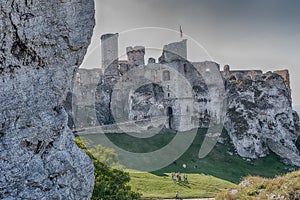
x: 174, y: 52
x: 260, y: 117
x: 42, y: 44
x: 135, y: 55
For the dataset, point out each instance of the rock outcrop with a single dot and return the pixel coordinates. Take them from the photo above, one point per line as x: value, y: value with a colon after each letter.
x: 42, y: 45
x: 260, y: 116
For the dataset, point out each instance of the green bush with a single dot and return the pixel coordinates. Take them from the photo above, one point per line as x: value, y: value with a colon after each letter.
x: 110, y: 184
x: 261, y: 186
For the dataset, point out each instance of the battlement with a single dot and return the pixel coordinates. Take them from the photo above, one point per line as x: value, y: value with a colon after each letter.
x: 135, y: 55
x: 135, y: 49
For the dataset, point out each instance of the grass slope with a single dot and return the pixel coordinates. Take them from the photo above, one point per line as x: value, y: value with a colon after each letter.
x: 153, y: 186
x: 218, y: 163
x: 221, y: 164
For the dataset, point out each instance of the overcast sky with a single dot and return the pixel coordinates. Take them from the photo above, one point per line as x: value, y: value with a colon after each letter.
x: 253, y: 34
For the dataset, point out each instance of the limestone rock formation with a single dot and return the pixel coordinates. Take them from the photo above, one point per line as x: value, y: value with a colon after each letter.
x: 42, y: 45
x: 260, y: 116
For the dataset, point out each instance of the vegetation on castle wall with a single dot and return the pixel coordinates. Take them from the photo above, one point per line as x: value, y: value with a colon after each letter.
x: 110, y: 184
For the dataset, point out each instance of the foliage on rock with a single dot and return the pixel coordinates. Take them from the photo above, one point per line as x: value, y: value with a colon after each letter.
x: 109, y: 183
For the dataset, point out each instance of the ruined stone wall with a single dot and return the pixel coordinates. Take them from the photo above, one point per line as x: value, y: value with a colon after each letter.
x: 81, y: 103
x: 240, y: 74
x: 253, y: 74
x: 213, y: 102
x: 285, y: 75
x: 174, y: 51
x: 85, y: 86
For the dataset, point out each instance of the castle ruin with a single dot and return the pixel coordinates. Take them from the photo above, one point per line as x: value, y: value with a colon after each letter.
x: 172, y: 87
x: 255, y: 107
x: 189, y: 92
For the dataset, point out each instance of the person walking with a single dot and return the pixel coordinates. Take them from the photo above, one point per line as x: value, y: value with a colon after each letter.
x: 185, y: 176
x: 179, y: 177
x: 177, y: 195
x: 174, y: 177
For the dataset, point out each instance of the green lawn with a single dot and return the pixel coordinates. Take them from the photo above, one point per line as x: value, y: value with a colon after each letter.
x: 153, y: 186
x: 207, y: 176
x: 218, y: 163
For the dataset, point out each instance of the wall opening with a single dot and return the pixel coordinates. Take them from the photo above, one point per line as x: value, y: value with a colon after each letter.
x: 170, y: 116
x: 166, y: 75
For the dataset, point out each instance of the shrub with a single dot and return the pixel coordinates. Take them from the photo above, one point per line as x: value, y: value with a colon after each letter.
x: 110, y: 184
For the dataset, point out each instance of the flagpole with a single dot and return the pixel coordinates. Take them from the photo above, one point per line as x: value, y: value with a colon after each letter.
x: 180, y: 29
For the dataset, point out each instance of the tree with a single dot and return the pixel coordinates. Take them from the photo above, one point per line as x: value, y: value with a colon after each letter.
x: 110, y: 184
x: 105, y: 155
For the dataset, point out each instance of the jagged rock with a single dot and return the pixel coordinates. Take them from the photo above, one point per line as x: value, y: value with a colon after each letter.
x: 42, y: 45
x: 260, y: 117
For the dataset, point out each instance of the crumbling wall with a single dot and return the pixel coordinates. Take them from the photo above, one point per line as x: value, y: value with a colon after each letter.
x: 285, y: 75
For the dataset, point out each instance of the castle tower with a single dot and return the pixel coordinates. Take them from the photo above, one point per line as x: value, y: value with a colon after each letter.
x: 136, y: 55
x: 109, y: 49
x: 174, y: 51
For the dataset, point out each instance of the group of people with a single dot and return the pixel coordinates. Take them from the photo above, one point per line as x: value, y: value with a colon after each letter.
x: 139, y: 116
x: 178, y: 179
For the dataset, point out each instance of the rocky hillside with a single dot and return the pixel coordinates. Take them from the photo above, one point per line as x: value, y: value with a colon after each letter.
x: 42, y: 45
x: 281, y: 187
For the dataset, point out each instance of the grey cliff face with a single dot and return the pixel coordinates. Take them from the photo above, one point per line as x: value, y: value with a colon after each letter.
x: 260, y: 117
x: 42, y: 45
